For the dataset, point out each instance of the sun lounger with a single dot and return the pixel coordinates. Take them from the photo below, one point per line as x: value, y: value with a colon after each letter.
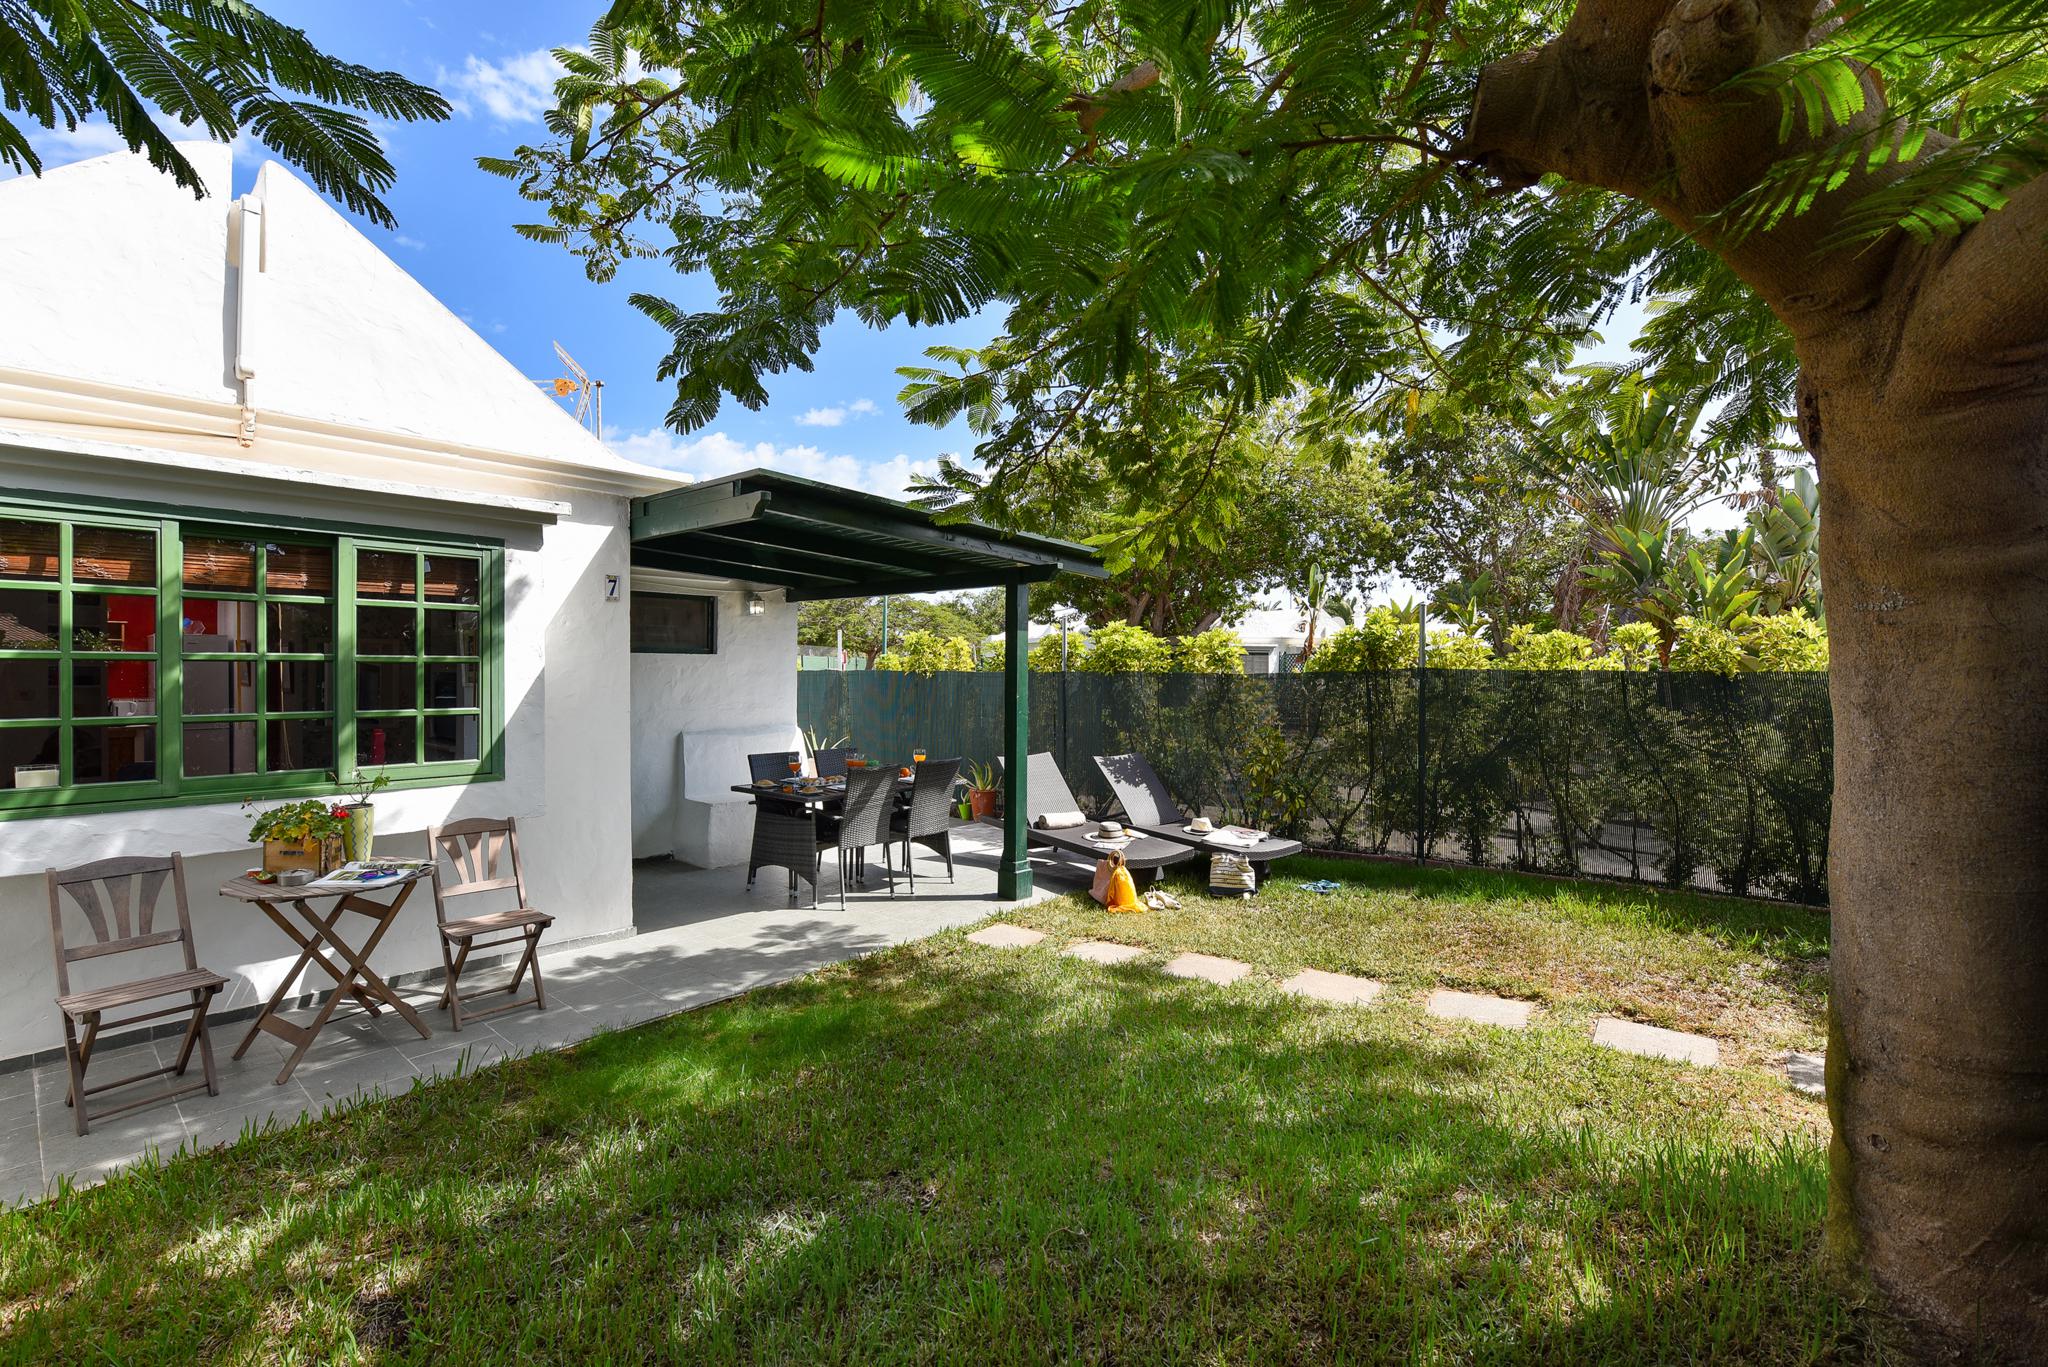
x: 1149, y: 806
x: 1048, y: 792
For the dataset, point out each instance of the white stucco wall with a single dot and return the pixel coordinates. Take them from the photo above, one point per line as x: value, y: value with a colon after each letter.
x: 749, y: 685
x: 566, y: 739
x: 118, y: 297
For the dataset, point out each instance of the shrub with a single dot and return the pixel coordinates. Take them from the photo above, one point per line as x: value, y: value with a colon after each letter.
x: 928, y: 653
x: 1218, y: 651
x: 1382, y: 640
x: 1118, y: 648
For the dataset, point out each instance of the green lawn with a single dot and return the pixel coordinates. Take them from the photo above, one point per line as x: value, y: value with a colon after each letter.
x: 952, y: 1153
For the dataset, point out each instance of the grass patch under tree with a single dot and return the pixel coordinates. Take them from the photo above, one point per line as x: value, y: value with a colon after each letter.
x: 947, y: 1152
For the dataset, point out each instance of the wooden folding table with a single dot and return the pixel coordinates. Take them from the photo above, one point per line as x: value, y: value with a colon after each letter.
x: 321, y: 934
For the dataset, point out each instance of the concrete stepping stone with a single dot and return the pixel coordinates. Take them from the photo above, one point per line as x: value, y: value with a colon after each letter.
x: 1209, y: 968
x: 1102, y: 952
x: 1340, y: 988
x: 1653, y: 1041
x: 1003, y: 935
x: 1807, y: 1073
x: 1505, y: 1012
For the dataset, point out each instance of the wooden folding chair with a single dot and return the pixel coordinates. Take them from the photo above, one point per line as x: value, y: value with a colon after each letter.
x: 118, y: 898
x: 479, y: 849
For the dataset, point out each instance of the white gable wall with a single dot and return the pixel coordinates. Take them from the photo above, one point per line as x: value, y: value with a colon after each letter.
x: 375, y: 408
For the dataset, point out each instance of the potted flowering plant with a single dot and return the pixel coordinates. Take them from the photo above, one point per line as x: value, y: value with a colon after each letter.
x: 360, y: 815
x: 301, y: 835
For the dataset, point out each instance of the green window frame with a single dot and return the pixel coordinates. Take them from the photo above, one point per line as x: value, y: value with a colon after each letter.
x: 108, y: 679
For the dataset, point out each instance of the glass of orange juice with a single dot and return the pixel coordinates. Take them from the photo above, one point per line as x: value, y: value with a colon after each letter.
x: 917, y: 755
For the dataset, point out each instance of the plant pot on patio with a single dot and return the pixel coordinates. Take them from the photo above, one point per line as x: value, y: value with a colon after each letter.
x: 319, y: 856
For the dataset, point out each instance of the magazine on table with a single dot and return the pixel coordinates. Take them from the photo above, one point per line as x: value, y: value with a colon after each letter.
x: 372, y: 873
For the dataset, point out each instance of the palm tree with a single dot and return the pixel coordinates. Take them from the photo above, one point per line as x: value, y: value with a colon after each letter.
x: 223, y: 66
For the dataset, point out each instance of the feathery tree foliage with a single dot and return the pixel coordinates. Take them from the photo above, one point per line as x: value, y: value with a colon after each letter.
x: 1229, y: 202
x: 223, y: 66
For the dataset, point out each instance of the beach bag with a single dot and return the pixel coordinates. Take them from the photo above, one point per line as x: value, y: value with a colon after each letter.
x: 1113, y: 887
x: 1230, y: 875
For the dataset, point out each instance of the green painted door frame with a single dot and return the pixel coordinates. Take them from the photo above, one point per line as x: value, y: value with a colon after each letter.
x: 1013, y: 874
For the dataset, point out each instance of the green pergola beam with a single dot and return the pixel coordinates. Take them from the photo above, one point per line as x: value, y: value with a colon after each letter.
x: 654, y: 557
x: 692, y: 510
x: 870, y: 558
x: 798, y: 508
x: 928, y: 583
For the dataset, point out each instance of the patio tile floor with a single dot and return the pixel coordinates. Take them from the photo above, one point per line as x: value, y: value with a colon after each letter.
x: 700, y: 937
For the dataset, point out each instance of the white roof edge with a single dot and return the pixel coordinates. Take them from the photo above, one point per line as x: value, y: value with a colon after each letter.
x: 81, y: 401
x: 33, y: 441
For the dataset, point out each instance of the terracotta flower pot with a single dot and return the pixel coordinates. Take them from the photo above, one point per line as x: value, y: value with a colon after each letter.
x: 982, y: 801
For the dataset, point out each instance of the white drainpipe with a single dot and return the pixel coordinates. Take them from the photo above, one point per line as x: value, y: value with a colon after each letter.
x: 249, y: 268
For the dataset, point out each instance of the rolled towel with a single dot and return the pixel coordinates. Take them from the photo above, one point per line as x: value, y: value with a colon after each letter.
x: 1059, y: 821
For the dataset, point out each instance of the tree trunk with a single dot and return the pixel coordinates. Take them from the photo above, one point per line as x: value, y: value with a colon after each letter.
x: 1925, y: 399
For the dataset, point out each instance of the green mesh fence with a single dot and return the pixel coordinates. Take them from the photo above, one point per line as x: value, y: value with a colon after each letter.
x: 1686, y: 779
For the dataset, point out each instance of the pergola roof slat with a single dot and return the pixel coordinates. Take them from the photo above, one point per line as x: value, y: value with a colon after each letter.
x: 819, y: 541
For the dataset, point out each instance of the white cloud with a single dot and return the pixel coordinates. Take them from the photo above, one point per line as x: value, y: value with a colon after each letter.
x: 836, y: 414
x: 517, y: 90
x: 57, y: 147
x: 402, y: 240
x: 715, y: 453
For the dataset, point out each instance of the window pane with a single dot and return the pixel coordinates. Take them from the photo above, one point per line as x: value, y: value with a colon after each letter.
x: 28, y: 688
x: 216, y: 624
x: 384, y: 686
x: 28, y: 756
x: 220, y: 563
x: 453, y: 579
x: 112, y: 555
x: 454, y: 633
x: 302, y: 628
x: 451, y: 738
x: 671, y: 622
x: 113, y: 754
x: 452, y: 685
x: 387, y: 631
x: 300, y: 569
x: 28, y: 619
x: 28, y: 550
x: 300, y: 686
x: 386, y: 574
x: 213, y: 686
x: 306, y: 743
x: 113, y: 688
x: 220, y: 747
x: 386, y: 740
x: 113, y: 621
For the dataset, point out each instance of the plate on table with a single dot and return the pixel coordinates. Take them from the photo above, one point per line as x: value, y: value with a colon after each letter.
x: 766, y: 783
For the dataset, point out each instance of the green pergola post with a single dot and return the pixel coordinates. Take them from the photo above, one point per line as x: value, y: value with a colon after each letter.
x: 1013, y: 875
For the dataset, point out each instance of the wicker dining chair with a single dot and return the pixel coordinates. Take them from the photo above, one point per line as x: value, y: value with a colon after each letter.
x: 831, y: 763
x: 928, y: 821
x: 865, y: 821
x: 118, y: 900
x: 774, y: 764
x: 485, y: 854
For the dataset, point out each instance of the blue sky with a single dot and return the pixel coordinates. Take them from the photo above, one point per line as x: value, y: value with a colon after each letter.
x: 840, y: 422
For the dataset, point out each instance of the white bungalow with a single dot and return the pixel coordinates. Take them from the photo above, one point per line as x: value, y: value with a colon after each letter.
x: 269, y: 510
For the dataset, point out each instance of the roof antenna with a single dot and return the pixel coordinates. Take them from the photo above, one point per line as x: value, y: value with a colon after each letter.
x: 589, y: 407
